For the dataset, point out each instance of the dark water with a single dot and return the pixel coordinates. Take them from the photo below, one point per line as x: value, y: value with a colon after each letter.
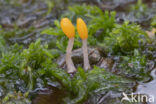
x: 53, y: 95
x: 149, y: 87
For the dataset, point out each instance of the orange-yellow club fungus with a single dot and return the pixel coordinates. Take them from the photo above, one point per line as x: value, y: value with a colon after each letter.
x: 69, y: 31
x: 83, y: 32
x: 151, y: 34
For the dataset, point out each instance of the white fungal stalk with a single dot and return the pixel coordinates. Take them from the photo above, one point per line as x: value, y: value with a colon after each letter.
x: 70, y: 66
x: 85, y: 55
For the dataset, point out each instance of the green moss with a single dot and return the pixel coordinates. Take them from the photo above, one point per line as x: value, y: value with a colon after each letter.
x: 2, y: 41
x: 153, y: 23
x: 134, y: 66
x: 86, y: 12
x: 94, y: 17
x: 2, y: 44
x: 26, y: 65
x: 22, y: 69
x: 139, y: 9
x: 16, y: 32
x: 124, y: 39
x: 60, y: 40
x: 89, y: 83
x: 16, y: 98
x: 105, y: 21
x: 82, y: 11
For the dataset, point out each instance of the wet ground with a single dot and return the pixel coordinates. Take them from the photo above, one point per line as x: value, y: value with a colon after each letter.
x: 32, y: 16
x: 148, y: 88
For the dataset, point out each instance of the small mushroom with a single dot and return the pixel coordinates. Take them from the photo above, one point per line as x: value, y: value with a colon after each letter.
x: 69, y: 31
x: 83, y: 32
x: 151, y: 34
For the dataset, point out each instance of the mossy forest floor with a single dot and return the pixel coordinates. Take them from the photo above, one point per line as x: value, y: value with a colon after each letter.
x: 31, y: 42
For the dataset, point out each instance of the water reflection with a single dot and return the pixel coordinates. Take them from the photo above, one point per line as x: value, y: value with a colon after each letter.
x: 51, y: 96
x: 148, y: 88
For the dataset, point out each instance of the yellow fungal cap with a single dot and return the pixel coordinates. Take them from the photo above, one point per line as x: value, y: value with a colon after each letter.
x: 82, y: 29
x: 67, y: 27
x: 154, y: 30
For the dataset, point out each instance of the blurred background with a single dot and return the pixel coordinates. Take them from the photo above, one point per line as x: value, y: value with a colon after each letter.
x: 33, y: 15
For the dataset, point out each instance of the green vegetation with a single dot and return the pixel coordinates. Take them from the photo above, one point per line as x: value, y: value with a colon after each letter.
x: 36, y: 62
x: 105, y: 21
x: 2, y: 44
x: 96, y: 20
x: 81, y: 11
x: 16, y: 32
x: 94, y: 82
x: 59, y: 40
x: 16, y: 98
x: 134, y: 66
x: 124, y: 38
x: 140, y: 9
x: 153, y: 23
x: 23, y: 67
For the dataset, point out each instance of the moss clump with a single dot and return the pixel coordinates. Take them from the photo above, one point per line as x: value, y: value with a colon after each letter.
x: 20, y: 70
x: 153, y: 23
x: 124, y: 39
x: 134, y: 66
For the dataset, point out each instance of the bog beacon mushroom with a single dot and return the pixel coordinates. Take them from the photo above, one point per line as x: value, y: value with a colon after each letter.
x: 69, y: 31
x: 83, y: 32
